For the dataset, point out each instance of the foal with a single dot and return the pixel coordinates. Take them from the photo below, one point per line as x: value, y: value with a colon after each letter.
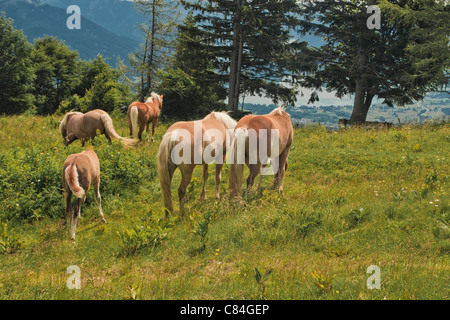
x: 80, y: 171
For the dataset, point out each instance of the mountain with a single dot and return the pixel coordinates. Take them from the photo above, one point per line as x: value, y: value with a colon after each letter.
x: 38, y: 19
x: 117, y: 16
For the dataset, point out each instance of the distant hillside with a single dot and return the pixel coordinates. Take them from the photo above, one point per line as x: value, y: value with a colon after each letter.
x: 39, y: 20
x: 117, y: 16
x: 435, y: 106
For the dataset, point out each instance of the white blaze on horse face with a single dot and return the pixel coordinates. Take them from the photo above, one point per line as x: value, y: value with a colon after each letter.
x: 213, y: 151
x: 183, y: 147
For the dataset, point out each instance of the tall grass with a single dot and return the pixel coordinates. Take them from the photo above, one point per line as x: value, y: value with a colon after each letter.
x: 353, y: 198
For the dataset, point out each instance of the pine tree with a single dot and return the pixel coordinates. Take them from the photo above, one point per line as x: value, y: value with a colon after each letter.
x: 56, y: 73
x: 396, y: 63
x: 158, y: 38
x: 250, y: 45
x: 190, y: 84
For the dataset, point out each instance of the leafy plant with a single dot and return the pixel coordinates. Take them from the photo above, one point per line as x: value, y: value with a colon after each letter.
x: 307, y: 224
x: 355, y: 217
x: 261, y: 279
x: 202, y: 228
x: 9, y: 242
x: 323, y: 281
x: 150, y: 235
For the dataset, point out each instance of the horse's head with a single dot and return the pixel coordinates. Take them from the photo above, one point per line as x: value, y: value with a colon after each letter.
x: 156, y: 98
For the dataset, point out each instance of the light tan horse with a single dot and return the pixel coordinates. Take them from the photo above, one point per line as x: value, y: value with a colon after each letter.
x: 249, y: 139
x: 193, y: 143
x: 76, y: 125
x: 140, y: 115
x: 80, y: 171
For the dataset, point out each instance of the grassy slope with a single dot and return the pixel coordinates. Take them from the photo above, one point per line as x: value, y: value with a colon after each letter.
x: 399, y: 178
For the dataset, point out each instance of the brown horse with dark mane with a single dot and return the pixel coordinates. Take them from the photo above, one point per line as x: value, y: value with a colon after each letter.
x: 140, y: 115
x: 77, y: 125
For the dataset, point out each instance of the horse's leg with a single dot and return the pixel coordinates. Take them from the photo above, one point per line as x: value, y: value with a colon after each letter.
x: 260, y: 179
x: 68, y: 198
x: 254, y: 171
x: 205, y: 177
x: 76, y: 216
x: 218, y: 179
x: 186, y: 175
x: 148, y: 130
x: 282, y: 166
x: 98, y: 200
x: 153, y: 128
x: 141, y: 129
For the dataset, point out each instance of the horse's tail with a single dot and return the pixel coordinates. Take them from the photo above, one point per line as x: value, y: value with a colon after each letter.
x: 166, y: 169
x: 109, y: 128
x: 237, y: 169
x: 71, y: 177
x: 134, y: 113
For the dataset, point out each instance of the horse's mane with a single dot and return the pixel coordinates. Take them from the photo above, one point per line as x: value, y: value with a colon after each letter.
x: 153, y: 97
x: 223, y: 116
x: 63, y: 123
x: 278, y: 110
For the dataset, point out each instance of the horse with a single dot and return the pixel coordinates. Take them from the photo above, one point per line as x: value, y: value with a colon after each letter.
x: 140, y: 115
x: 252, y: 134
x: 76, y: 125
x: 80, y: 171
x: 211, y: 134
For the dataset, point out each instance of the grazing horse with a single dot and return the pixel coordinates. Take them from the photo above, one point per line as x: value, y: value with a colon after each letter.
x: 248, y: 141
x: 201, y: 140
x: 77, y: 125
x: 80, y: 171
x: 140, y: 115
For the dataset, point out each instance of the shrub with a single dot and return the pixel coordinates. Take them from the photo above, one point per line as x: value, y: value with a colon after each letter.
x: 148, y: 236
x: 9, y: 242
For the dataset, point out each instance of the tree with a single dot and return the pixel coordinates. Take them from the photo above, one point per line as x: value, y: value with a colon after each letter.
x: 190, y: 85
x: 98, y: 87
x: 158, y: 35
x: 250, y: 44
x: 56, y: 73
x: 16, y: 72
x: 399, y: 62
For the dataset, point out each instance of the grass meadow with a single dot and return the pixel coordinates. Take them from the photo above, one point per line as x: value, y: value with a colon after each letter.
x: 352, y: 198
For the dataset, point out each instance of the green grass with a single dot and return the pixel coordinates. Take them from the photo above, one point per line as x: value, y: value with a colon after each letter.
x: 353, y: 198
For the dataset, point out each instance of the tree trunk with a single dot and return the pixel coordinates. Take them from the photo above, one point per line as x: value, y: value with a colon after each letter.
x: 148, y: 57
x: 233, y: 90
x: 363, y: 94
x: 360, y: 109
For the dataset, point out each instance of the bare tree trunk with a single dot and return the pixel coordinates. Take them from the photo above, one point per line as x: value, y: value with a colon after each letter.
x: 234, y: 61
x: 363, y: 94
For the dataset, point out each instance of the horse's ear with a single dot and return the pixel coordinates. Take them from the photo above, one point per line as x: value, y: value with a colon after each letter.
x: 162, y: 96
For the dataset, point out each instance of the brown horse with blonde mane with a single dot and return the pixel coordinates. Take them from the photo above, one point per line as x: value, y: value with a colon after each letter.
x: 190, y: 143
x: 80, y: 171
x: 140, y: 115
x: 77, y: 125
x: 247, y: 145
